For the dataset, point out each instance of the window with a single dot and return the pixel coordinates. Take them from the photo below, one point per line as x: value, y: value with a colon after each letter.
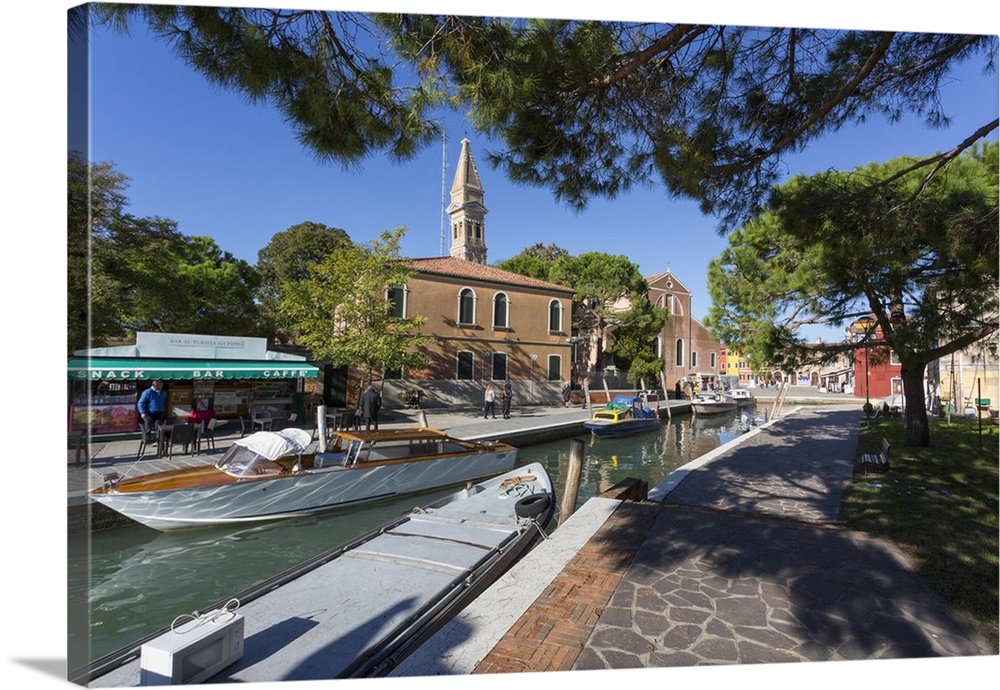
x: 555, y: 368
x: 713, y: 360
x: 555, y: 316
x: 657, y: 352
x: 679, y: 354
x: 464, y: 364
x: 396, y: 295
x: 501, y: 317
x: 694, y: 360
x: 499, y: 366
x: 467, y: 307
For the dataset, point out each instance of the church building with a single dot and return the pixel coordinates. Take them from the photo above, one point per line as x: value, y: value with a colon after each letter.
x: 491, y: 326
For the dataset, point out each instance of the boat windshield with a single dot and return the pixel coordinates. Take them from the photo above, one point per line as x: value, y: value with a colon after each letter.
x: 243, y: 462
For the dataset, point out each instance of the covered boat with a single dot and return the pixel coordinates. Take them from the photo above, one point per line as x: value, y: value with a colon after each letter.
x: 269, y: 475
x: 712, y: 403
x: 360, y: 608
x: 743, y: 397
x: 623, y: 416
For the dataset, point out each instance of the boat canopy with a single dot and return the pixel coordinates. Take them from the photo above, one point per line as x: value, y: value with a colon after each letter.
x: 276, y: 444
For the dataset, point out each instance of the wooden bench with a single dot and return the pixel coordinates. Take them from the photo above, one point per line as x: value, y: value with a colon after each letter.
x: 876, y: 462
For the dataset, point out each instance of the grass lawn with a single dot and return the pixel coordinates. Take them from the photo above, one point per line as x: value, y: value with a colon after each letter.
x: 939, y: 505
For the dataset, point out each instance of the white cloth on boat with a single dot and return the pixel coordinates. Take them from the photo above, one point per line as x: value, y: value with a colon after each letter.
x: 275, y: 444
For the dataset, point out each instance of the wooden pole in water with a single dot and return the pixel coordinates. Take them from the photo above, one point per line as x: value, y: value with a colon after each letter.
x: 666, y: 398
x: 573, y: 472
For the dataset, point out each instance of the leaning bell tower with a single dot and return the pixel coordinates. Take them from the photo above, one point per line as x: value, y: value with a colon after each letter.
x: 466, y: 211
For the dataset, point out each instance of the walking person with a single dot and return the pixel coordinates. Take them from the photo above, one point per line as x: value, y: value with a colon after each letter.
x: 369, y: 404
x: 489, y: 402
x: 152, y: 407
x: 506, y: 398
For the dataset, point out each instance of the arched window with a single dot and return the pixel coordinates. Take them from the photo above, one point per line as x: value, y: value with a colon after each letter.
x: 501, y: 311
x: 679, y: 354
x: 466, y: 307
x: 555, y: 316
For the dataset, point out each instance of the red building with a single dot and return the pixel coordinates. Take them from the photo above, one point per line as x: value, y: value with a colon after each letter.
x: 876, y: 368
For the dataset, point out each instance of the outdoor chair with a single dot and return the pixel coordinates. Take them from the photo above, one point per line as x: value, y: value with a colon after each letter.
x: 182, y: 435
x: 78, y: 438
x: 208, y: 434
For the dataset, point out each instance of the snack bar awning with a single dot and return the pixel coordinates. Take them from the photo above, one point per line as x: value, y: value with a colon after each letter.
x: 102, y: 369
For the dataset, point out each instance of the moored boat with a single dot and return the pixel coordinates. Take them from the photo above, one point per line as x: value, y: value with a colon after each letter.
x: 743, y: 397
x: 623, y: 416
x: 269, y: 475
x: 712, y: 403
x: 360, y: 608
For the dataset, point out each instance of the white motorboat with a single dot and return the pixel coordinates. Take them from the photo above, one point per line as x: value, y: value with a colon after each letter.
x: 712, y: 403
x: 268, y: 475
x: 356, y: 610
x: 743, y: 397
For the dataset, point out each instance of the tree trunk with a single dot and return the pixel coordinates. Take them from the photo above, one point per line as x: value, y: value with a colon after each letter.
x: 918, y: 431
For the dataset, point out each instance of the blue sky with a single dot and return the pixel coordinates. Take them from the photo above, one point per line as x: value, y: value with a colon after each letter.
x: 225, y: 168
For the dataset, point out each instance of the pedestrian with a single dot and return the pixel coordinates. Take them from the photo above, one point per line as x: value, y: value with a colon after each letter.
x: 677, y: 390
x: 507, y: 395
x: 152, y: 407
x: 369, y: 405
x: 489, y: 402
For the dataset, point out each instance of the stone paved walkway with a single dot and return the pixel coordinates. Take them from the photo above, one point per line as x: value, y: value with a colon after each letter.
x: 744, y: 562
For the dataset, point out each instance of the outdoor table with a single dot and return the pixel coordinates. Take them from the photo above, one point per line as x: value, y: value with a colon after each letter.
x: 163, y: 432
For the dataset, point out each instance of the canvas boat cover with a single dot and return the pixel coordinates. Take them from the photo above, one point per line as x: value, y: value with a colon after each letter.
x: 276, y: 444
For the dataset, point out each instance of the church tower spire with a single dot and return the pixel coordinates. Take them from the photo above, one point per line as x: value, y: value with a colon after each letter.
x: 468, y: 230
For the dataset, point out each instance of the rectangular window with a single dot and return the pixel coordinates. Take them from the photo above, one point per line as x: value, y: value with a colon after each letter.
x: 555, y: 368
x: 499, y: 366
x: 694, y: 360
x: 397, y: 295
x: 464, y: 366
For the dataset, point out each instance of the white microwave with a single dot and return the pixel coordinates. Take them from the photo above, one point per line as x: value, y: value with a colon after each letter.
x: 194, y: 651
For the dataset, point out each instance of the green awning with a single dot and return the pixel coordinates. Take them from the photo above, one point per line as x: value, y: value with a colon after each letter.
x: 104, y: 369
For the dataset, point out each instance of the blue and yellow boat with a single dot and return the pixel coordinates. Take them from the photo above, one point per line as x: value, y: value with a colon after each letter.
x: 623, y: 416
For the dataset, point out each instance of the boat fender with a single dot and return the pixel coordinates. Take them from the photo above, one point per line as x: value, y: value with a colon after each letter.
x: 533, y: 505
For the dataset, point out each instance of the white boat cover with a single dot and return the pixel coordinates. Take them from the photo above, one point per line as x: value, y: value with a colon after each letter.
x: 276, y: 444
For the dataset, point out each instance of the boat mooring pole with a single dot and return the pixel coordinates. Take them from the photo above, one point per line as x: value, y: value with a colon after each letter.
x: 663, y: 386
x: 423, y: 419
x: 573, y: 472
x: 321, y: 427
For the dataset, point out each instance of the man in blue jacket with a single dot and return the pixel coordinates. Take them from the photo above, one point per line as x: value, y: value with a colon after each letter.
x: 152, y: 406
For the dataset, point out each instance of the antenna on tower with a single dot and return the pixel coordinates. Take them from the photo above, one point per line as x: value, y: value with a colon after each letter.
x: 444, y: 186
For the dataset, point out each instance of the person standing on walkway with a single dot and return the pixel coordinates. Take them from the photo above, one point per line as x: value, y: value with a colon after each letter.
x: 506, y: 397
x: 369, y: 404
x: 489, y: 402
x: 152, y: 406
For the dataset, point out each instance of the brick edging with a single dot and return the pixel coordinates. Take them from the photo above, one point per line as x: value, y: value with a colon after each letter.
x: 551, y: 634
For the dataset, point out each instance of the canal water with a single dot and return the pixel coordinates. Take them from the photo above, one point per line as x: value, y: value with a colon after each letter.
x: 140, y: 579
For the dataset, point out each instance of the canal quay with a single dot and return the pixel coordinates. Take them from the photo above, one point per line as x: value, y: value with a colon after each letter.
x: 738, y: 557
